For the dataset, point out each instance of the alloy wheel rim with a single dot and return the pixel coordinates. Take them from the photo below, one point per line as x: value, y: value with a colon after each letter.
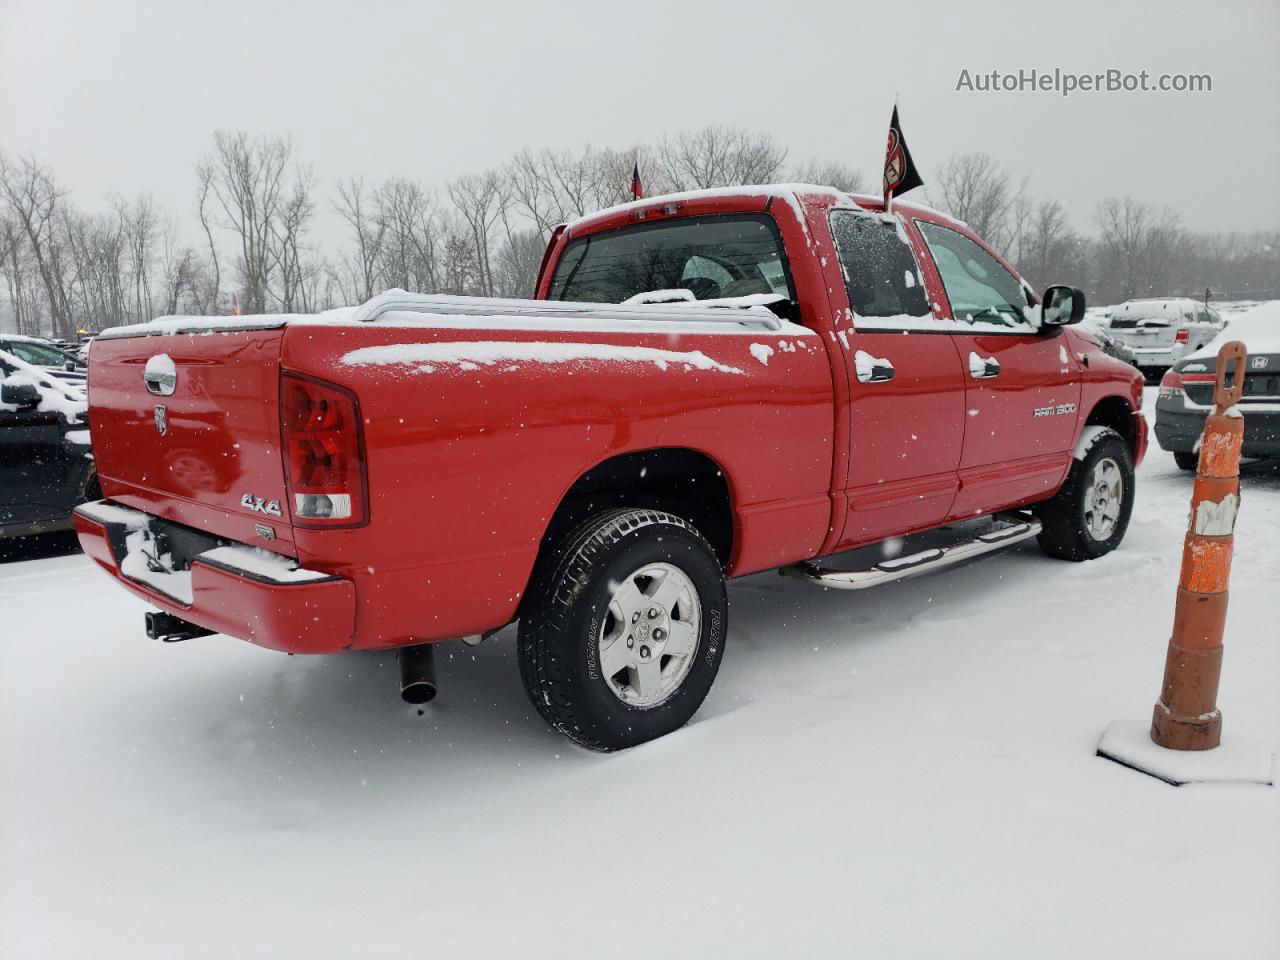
x: 649, y: 638
x: 1103, y: 499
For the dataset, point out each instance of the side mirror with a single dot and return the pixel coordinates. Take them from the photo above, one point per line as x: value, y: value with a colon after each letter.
x: 24, y: 396
x: 1062, y: 305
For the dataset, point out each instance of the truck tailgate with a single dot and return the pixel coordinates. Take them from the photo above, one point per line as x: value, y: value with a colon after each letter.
x: 204, y: 449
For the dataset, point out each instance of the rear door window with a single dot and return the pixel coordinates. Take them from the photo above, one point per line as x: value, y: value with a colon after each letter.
x: 881, y: 276
x: 711, y: 257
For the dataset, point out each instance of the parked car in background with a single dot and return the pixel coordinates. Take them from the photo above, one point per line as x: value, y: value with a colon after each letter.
x: 43, y: 354
x: 45, y: 462
x: 1162, y: 331
x: 1111, y: 346
x: 1186, y: 391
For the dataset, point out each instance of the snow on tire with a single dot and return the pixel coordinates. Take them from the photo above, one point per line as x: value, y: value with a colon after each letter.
x: 624, y: 630
x: 1088, y: 517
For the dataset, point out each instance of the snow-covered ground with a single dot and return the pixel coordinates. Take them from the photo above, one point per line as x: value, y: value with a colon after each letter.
x: 908, y: 772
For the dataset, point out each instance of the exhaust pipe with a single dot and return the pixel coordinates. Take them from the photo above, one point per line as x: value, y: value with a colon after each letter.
x: 418, y: 673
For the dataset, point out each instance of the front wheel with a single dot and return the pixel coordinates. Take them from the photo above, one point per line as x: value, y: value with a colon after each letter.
x: 624, y: 629
x: 1090, y: 514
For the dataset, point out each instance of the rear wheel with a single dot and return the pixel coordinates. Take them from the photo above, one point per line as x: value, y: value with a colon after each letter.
x: 624, y: 629
x: 1090, y: 514
x: 1186, y: 460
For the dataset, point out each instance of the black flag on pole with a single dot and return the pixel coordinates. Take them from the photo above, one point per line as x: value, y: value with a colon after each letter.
x: 900, y: 174
x: 637, y: 188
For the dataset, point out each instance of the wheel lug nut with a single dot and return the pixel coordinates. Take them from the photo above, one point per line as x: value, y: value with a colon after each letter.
x: 653, y: 613
x: 631, y: 642
x: 635, y: 616
x: 644, y: 653
x: 658, y: 633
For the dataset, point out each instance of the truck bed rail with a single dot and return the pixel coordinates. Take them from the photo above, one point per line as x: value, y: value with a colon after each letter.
x: 751, y: 313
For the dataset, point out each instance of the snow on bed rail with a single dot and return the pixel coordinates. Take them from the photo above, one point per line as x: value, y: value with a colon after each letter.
x: 727, y: 314
x: 169, y: 326
x: 470, y: 355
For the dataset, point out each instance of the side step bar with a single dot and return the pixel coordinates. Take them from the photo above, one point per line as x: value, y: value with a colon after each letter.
x: 1008, y: 531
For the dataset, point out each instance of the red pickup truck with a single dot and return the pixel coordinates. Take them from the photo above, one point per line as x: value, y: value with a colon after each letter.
x: 707, y: 385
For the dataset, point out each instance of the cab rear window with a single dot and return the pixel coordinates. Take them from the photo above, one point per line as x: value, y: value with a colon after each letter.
x: 711, y: 257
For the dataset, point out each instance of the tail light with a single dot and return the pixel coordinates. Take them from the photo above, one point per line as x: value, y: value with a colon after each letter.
x: 1182, y: 336
x: 323, y: 453
x: 1171, y: 385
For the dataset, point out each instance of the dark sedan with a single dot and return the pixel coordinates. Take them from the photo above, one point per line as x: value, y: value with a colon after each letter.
x: 45, y: 462
x: 1186, y: 395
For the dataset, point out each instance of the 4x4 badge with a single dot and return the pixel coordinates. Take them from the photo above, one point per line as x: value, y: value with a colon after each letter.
x: 162, y: 419
x: 270, y: 507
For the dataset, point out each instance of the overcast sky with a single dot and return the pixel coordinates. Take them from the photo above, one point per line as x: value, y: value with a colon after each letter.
x: 124, y: 97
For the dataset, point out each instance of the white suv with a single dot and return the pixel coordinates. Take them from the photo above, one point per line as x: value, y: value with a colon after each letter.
x: 1161, y: 332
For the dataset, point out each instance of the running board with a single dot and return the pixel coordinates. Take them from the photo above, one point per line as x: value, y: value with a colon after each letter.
x: 1009, y: 531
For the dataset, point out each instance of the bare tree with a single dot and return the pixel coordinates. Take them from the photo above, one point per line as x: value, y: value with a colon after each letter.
x: 1137, y: 245
x: 977, y: 190
x: 288, y: 234
x: 369, y: 231
x: 34, y: 200
x: 204, y: 199
x: 718, y: 156
x: 410, y: 246
x: 247, y: 180
x: 1051, y: 251
x: 838, y: 175
x: 480, y: 201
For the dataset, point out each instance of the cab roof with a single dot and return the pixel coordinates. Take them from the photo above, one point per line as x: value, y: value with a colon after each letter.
x: 754, y: 197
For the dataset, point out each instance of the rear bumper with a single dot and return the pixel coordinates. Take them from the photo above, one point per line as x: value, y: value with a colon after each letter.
x: 1179, y: 430
x: 315, y: 615
x: 1154, y: 357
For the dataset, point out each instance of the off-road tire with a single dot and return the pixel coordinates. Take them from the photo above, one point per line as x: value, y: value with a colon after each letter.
x: 560, y: 626
x: 1064, y: 532
x: 1186, y: 460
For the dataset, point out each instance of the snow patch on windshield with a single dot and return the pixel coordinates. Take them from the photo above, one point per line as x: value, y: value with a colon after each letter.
x: 491, y: 352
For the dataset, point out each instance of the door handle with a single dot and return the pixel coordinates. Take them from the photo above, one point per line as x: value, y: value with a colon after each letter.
x: 983, y: 368
x: 872, y: 369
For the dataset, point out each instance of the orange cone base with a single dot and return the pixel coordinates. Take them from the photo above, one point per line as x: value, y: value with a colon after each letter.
x: 1236, y: 760
x: 1185, y: 733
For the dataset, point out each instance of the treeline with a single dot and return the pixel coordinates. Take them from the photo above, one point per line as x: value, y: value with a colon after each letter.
x: 252, y: 244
